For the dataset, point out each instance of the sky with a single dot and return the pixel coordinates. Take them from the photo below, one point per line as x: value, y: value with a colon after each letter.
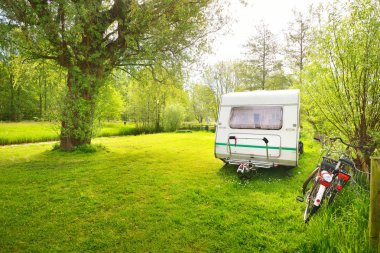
x: 229, y: 42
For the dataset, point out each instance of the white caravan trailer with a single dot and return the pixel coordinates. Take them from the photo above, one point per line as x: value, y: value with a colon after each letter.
x: 259, y: 128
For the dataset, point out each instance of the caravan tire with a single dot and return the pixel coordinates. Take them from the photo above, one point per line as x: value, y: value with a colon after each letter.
x: 300, y: 147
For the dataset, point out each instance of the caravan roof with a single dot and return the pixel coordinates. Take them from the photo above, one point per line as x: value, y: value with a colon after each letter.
x: 261, y: 97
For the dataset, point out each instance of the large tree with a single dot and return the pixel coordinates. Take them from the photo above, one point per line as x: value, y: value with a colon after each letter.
x: 262, y: 48
x: 343, y: 77
x: 221, y: 78
x: 90, y: 38
x: 298, y: 38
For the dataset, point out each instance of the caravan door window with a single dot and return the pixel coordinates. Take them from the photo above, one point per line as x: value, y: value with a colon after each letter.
x: 256, y: 117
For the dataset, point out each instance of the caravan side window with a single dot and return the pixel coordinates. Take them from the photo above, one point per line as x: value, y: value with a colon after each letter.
x: 256, y: 117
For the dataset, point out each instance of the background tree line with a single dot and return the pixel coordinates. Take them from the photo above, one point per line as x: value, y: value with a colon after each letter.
x: 329, y: 52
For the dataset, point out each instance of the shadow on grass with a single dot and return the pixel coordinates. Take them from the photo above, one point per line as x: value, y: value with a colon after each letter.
x: 228, y: 172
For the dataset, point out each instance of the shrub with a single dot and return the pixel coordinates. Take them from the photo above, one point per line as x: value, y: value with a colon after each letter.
x: 173, y: 117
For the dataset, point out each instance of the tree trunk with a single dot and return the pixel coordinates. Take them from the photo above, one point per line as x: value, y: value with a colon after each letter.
x: 158, y: 119
x: 40, y: 96
x: 45, y: 95
x: 12, y: 110
x: 79, y: 108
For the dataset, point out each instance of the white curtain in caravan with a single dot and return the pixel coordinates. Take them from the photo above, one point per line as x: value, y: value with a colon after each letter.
x: 256, y: 117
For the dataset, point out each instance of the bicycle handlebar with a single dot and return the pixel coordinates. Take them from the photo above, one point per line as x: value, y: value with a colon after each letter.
x: 322, y: 139
x: 345, y: 143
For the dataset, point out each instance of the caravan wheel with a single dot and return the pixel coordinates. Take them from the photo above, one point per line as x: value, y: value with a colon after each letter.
x: 300, y: 147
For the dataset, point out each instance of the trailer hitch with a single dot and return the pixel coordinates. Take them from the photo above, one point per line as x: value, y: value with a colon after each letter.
x: 246, y: 167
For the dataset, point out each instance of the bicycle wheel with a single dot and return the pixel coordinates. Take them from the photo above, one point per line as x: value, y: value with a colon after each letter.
x: 331, y: 192
x: 310, y: 197
x: 332, y: 196
x: 310, y: 177
x: 334, y: 189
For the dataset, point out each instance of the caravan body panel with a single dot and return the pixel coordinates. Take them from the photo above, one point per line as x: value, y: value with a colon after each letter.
x: 259, y: 127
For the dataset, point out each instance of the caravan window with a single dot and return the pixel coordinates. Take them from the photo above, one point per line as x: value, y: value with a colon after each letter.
x: 256, y: 117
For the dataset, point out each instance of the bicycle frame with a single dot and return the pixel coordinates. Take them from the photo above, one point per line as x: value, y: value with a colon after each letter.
x: 325, y: 179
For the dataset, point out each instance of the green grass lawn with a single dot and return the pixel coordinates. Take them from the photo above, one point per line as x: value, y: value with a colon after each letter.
x: 26, y: 132
x: 159, y: 193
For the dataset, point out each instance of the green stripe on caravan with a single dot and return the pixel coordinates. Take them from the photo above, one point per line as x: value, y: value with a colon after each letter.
x: 252, y: 146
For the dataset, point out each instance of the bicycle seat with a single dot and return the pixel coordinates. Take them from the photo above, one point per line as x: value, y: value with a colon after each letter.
x: 346, y: 161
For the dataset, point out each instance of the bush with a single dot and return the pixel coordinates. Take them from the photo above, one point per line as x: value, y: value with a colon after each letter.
x: 173, y: 117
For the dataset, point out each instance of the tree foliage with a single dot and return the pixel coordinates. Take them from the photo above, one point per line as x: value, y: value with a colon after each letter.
x: 262, y: 50
x: 343, y: 81
x: 221, y: 78
x: 201, y: 102
x: 148, y: 97
x: 29, y: 89
x: 298, y: 39
x: 173, y: 117
x: 110, y: 104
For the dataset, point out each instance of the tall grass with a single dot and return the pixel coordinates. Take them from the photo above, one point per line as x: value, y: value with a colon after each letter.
x: 343, y: 226
x: 107, y: 129
x: 28, y: 132
x: 25, y: 132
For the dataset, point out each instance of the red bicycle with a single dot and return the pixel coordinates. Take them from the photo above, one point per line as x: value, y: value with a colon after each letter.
x: 328, y: 178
